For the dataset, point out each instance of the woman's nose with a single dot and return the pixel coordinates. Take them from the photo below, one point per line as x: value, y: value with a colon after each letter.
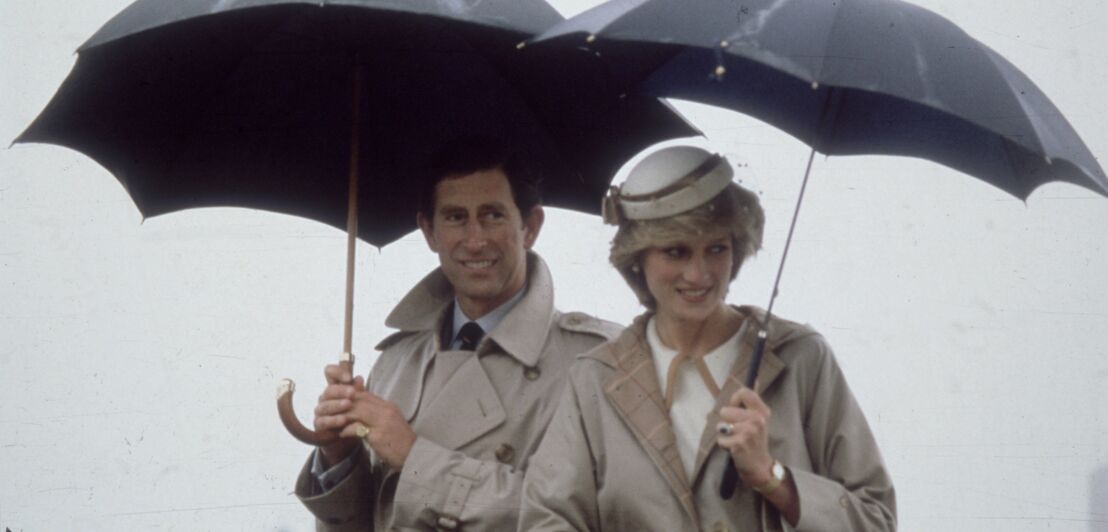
x: 696, y: 270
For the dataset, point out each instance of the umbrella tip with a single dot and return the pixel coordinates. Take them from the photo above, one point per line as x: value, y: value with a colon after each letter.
x: 521, y: 45
x: 1048, y: 160
x: 724, y: 44
x: 591, y: 38
x: 815, y: 85
x: 719, y: 71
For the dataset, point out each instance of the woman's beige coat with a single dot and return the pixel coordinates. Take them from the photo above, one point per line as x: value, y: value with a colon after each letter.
x: 609, y: 459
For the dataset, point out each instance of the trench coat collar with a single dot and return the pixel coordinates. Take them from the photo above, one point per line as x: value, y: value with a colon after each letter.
x: 521, y: 334
x: 635, y: 393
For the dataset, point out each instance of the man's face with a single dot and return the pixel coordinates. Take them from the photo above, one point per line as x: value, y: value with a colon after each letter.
x: 481, y: 238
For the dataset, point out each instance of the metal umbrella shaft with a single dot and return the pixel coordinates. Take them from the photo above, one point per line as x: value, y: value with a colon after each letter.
x: 730, y: 479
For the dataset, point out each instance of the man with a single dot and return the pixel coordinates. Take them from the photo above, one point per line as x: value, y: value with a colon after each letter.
x: 451, y: 413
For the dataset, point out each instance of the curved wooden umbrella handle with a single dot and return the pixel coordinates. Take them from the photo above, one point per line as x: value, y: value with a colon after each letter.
x: 285, y: 390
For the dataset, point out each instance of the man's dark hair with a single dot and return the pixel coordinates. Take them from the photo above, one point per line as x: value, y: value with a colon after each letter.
x: 467, y: 155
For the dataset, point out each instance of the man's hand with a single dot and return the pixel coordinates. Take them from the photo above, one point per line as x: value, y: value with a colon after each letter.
x: 389, y: 435
x: 748, y: 441
x: 332, y: 411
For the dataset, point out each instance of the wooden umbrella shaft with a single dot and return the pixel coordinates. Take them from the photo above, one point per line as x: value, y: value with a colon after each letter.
x: 352, y: 215
x: 287, y: 387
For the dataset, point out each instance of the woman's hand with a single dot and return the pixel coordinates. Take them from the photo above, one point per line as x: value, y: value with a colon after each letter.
x: 743, y: 432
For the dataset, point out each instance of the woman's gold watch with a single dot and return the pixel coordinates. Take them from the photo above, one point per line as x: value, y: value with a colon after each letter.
x: 777, y: 476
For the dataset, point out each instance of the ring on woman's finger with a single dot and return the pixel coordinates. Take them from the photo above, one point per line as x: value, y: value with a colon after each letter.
x: 726, y: 429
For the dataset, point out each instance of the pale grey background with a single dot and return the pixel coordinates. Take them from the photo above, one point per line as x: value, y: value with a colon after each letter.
x: 138, y: 359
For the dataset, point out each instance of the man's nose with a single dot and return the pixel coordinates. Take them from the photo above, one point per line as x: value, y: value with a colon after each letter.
x: 475, y: 236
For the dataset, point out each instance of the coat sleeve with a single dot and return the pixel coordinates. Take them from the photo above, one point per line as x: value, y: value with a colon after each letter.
x: 559, y: 490
x: 346, y: 507
x: 442, y: 488
x: 849, y: 489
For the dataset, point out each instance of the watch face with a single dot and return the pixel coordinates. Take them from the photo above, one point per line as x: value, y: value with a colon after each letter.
x: 778, y: 471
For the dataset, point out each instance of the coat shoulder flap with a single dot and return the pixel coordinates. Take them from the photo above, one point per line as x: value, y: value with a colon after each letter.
x: 580, y: 322
x: 393, y: 339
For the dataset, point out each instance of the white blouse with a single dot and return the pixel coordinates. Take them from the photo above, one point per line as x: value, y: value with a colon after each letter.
x: 692, y: 401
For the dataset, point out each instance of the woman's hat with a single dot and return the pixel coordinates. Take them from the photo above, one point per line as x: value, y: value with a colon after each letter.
x: 667, y: 182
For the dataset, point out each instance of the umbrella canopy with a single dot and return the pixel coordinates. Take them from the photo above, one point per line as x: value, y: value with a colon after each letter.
x: 248, y: 103
x: 332, y: 111
x: 849, y: 77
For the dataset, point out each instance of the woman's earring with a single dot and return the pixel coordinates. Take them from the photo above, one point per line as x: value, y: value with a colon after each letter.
x: 635, y: 268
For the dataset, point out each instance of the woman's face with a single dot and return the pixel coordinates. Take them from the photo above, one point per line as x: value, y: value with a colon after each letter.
x: 689, y: 278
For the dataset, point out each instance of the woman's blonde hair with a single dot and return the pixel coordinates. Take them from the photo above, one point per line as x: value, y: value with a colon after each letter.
x: 734, y: 208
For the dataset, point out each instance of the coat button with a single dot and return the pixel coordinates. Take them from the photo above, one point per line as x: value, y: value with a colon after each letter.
x: 531, y: 373
x: 505, y: 453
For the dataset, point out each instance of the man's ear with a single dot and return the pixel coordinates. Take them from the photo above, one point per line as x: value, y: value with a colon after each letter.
x: 427, y: 229
x: 532, y: 224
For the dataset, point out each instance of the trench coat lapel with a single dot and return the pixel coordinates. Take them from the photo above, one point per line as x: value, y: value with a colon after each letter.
x: 466, y: 405
x: 466, y: 408
x: 523, y: 332
x: 770, y: 369
x: 634, y: 393
x: 404, y: 386
x: 422, y: 309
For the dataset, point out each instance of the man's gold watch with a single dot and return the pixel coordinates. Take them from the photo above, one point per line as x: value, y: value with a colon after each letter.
x: 777, y: 476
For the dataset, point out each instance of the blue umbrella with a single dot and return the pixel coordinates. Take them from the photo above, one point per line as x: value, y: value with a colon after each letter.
x: 848, y: 77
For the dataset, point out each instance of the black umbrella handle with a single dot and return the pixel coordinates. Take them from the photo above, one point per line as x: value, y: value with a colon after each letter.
x: 730, y: 479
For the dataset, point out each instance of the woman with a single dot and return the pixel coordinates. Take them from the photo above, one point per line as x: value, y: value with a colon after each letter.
x: 643, y: 432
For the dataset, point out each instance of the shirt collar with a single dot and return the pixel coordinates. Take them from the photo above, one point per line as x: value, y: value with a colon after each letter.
x: 487, y: 322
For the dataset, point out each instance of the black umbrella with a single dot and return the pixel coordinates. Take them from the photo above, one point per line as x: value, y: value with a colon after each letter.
x: 847, y: 77
x: 313, y: 108
x: 248, y: 103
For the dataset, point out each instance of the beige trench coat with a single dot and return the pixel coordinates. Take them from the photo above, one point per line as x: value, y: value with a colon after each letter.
x: 479, y: 415
x: 609, y: 460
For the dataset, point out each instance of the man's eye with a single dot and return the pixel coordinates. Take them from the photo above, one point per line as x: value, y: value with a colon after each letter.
x: 494, y: 215
x: 453, y: 217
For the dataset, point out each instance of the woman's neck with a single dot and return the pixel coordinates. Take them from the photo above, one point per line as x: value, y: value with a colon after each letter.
x: 697, y: 337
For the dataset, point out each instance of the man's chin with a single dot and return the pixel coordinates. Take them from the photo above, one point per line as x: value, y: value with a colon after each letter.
x: 477, y: 291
